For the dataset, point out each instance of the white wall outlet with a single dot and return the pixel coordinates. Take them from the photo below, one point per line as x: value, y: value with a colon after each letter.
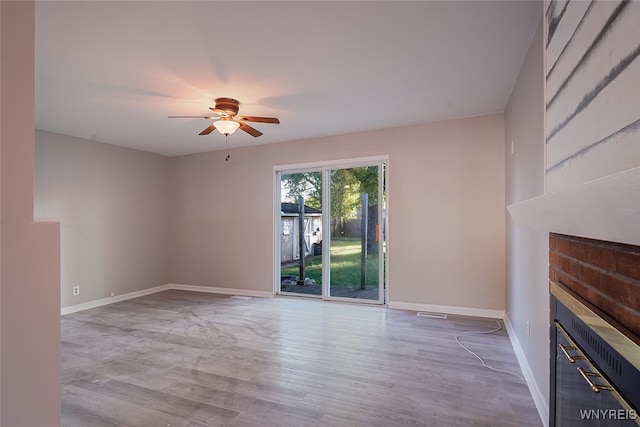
x: 76, y: 291
x: 513, y: 147
x: 112, y: 294
x: 528, y: 330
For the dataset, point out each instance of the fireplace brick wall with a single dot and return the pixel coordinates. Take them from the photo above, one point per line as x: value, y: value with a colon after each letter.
x: 606, y: 274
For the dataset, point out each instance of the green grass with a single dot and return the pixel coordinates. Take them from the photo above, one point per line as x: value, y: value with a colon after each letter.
x: 345, y: 264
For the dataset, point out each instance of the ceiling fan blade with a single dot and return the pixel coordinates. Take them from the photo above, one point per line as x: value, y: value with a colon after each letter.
x: 219, y: 112
x: 191, y: 117
x: 208, y: 130
x: 271, y: 120
x: 248, y: 129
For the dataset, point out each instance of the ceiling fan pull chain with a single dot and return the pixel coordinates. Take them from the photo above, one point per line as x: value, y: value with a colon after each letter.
x: 227, y: 145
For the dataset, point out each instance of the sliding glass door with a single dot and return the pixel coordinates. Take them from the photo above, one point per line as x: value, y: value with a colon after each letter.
x: 331, y: 231
x: 301, y: 223
x: 355, y: 233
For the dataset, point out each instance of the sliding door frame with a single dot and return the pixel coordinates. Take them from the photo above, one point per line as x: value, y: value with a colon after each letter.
x: 382, y: 162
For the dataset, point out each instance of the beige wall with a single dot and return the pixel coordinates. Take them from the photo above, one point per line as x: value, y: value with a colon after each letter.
x: 446, y: 212
x: 30, y: 264
x: 0, y: 216
x: 134, y: 220
x: 113, y: 206
x: 527, y: 250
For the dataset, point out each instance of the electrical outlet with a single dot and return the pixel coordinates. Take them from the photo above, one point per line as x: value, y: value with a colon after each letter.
x: 528, y: 330
x: 76, y: 291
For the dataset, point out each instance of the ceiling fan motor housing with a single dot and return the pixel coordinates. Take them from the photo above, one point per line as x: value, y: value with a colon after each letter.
x: 228, y: 105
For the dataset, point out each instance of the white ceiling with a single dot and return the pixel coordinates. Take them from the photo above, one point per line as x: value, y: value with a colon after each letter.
x: 113, y: 71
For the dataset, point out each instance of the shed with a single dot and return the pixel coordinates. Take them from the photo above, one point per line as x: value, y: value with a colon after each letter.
x: 289, y: 229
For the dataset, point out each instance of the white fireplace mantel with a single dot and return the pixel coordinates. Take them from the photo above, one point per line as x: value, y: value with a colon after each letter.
x: 604, y: 209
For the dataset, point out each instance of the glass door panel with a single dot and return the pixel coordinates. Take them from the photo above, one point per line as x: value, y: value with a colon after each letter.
x: 301, y: 233
x: 355, y: 233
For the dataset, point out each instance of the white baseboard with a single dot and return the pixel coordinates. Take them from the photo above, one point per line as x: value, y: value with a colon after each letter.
x: 446, y: 309
x: 538, y: 398
x: 110, y: 300
x: 223, y: 291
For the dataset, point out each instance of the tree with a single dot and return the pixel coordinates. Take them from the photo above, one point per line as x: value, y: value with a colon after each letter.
x: 305, y: 184
x: 347, y: 186
x: 367, y: 177
x: 345, y: 198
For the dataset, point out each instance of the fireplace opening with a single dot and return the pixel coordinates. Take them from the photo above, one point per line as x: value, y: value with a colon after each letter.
x: 595, y: 366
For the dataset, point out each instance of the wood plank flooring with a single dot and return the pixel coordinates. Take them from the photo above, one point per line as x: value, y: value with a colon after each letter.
x: 190, y: 359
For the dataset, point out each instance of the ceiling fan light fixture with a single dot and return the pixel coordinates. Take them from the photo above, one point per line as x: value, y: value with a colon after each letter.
x: 226, y: 127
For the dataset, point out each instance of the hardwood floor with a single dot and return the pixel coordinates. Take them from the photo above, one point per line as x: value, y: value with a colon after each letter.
x: 180, y: 358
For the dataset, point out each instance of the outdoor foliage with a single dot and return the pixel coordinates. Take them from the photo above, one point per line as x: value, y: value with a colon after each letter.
x: 347, y: 186
x: 305, y: 184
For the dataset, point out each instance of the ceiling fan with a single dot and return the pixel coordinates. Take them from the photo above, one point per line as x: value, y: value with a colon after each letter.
x: 228, y: 120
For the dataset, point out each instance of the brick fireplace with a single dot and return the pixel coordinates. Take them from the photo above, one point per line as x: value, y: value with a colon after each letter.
x: 606, y: 274
x: 594, y: 344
